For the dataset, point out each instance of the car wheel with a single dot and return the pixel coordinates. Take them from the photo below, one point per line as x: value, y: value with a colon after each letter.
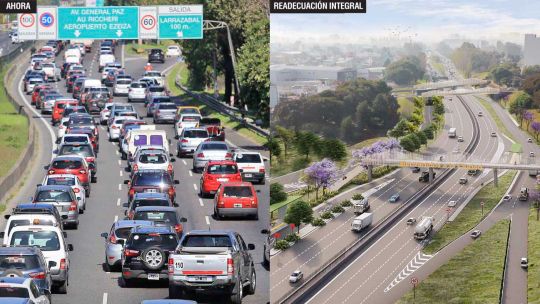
x: 153, y: 258
x: 129, y: 100
x: 106, y: 265
x: 94, y: 179
x: 252, y: 282
x: 62, y: 288
x: 262, y: 181
x: 126, y: 283
x: 124, y: 156
x: 81, y: 210
x: 238, y: 294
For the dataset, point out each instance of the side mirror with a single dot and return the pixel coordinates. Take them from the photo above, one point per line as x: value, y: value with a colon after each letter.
x: 70, y: 247
x: 176, y: 182
x: 251, y: 246
x: 51, y: 264
x: 173, y: 160
x: 104, y: 235
x: 125, y: 205
x: 55, y: 151
x: 46, y: 167
x: 65, y: 234
x: 64, y: 217
x: 7, y: 216
x: 126, y: 182
x: 171, y: 155
x: 265, y: 231
x: 175, y: 204
x: 183, y: 220
x: 38, y: 185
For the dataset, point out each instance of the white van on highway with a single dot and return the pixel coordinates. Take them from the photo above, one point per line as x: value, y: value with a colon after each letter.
x: 145, y: 136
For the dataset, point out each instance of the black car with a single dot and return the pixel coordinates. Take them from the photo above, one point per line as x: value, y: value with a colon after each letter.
x: 146, y: 254
x: 156, y: 55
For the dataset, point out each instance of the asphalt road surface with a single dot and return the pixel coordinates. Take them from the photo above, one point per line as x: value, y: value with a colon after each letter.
x: 88, y: 282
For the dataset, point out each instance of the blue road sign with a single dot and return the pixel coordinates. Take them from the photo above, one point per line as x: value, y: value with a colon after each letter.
x: 180, y: 22
x: 46, y: 19
x: 121, y: 22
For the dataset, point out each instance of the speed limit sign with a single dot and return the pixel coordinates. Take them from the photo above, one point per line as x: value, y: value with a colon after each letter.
x: 148, y: 22
x: 414, y: 280
x: 46, y: 23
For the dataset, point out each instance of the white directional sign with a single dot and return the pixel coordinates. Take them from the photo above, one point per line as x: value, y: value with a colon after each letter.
x: 47, y: 22
x: 148, y: 22
x: 27, y: 26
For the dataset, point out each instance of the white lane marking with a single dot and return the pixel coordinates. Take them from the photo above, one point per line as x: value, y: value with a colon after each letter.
x: 105, y: 296
x: 207, y: 220
x: 184, y: 162
x: 103, y: 128
x: 120, y: 187
x: 118, y: 202
x: 168, y: 68
x: 195, y: 187
x: 201, y: 202
x: 117, y: 153
x: 116, y: 218
x: 122, y: 56
x: 417, y: 262
x: 119, y: 162
x: 37, y: 114
x: 121, y: 172
x: 190, y: 173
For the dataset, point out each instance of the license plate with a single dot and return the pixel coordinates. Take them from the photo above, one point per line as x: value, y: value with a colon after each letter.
x: 248, y: 175
x: 202, y: 279
x: 222, y: 179
x: 153, y: 276
x: 150, y: 190
x: 237, y: 205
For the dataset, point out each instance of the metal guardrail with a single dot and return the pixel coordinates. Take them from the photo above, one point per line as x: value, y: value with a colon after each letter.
x: 222, y: 108
x: 501, y: 294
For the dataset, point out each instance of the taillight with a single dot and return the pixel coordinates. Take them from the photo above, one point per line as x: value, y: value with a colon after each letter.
x: 171, y: 265
x: 62, y: 264
x: 131, y: 253
x: 171, y: 192
x: 221, y: 203
x: 73, y: 206
x: 170, y: 168
x: 157, y: 112
x: 51, y: 171
x: 83, y: 171
x: 112, y: 239
x: 178, y: 228
x: 184, y: 140
x: 114, y: 127
x: 135, y: 168
x: 230, y: 267
x: 261, y: 170
x: 37, y: 275
x: 61, y: 127
x: 253, y: 203
x: 201, y: 155
x: 76, y: 190
x: 228, y: 155
x: 131, y: 192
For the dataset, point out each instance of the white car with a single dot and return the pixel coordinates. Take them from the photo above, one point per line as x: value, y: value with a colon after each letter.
x: 186, y: 121
x: 106, y: 71
x: 529, y: 140
x: 524, y: 262
x: 296, y: 276
x: 50, y: 240
x: 155, y: 75
x: 22, y: 219
x: 15, y: 38
x: 121, y: 86
x: 52, y: 72
x: 153, y: 160
x: 17, y: 288
x: 137, y: 91
x: 105, y: 113
x: 251, y: 166
x: 114, y: 129
x: 104, y: 59
x: 531, y: 154
x: 69, y: 180
x: 173, y: 50
x: 142, y: 149
x: 452, y: 204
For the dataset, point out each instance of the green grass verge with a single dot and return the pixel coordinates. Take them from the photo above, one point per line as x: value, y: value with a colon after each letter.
x: 406, y: 107
x: 471, y: 215
x: 13, y: 130
x: 289, y: 199
x: 500, y: 125
x: 533, y: 273
x: 134, y: 48
x: 472, y: 276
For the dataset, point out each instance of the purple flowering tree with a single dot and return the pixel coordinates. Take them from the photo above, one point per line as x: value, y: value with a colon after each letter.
x: 377, y: 147
x: 321, y: 174
x: 536, y: 129
x: 528, y: 117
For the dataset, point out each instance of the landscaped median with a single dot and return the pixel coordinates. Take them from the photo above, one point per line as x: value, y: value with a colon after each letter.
x: 472, y: 276
x: 533, y: 273
x: 472, y: 214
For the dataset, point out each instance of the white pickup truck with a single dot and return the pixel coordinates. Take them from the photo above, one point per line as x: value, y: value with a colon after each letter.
x: 52, y: 72
x: 217, y: 260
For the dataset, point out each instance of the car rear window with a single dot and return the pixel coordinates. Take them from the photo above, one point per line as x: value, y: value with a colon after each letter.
x: 156, y: 140
x: 83, y: 150
x: 214, y: 146
x: 151, y: 179
x: 222, y: 169
x: 72, y: 139
x: 14, y: 292
x: 61, y: 181
x: 138, y: 85
x: 237, y: 191
x: 189, y: 111
x: 142, y: 241
x: 167, y: 107
x: 139, y: 140
x: 206, y: 241
x: 67, y: 164
x: 167, y: 217
x: 15, y: 223
x: 123, y: 81
x: 191, y: 118
x: 156, y: 89
x: 196, y: 133
x: 151, y: 202
x: 123, y: 233
x: 22, y: 262
x: 248, y: 158
x: 152, y: 158
x: 53, y: 196
x: 45, y: 240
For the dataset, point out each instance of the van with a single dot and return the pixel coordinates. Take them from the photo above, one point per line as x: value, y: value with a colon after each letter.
x: 146, y: 135
x: 88, y: 83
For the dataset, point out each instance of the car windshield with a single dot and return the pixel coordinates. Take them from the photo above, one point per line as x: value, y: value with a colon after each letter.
x: 206, y: 241
x: 156, y: 89
x: 123, y: 81
x: 237, y: 191
x: 248, y: 158
x: 196, y: 133
x: 61, y: 181
x: 53, y: 196
x: 23, y: 262
x: 214, y: 146
x: 167, y: 106
x: 67, y: 164
x: 14, y: 292
x: 138, y: 85
x: 189, y: 111
x: 45, y: 240
x: 150, y: 202
x: 222, y: 169
x: 72, y: 139
x: 83, y: 150
x: 151, y: 179
x: 152, y: 159
x: 168, y: 217
x: 140, y: 241
x: 152, y: 74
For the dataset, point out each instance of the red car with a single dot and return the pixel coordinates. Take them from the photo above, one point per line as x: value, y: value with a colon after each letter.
x: 71, y: 164
x: 152, y: 181
x: 83, y: 150
x: 37, y: 89
x: 59, y: 107
x: 217, y: 172
x: 236, y: 199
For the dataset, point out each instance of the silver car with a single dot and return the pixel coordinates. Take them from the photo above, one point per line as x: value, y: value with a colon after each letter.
x: 190, y: 139
x: 210, y: 150
x: 164, y: 112
x: 115, y: 239
x: 63, y: 198
x: 153, y: 160
x: 153, y: 102
x: 137, y: 91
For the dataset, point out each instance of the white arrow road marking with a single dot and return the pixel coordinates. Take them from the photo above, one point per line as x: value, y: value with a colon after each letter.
x: 417, y: 262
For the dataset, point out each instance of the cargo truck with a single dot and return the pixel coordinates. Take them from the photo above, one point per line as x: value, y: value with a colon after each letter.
x: 361, y: 221
x: 523, y: 194
x: 452, y: 132
x: 360, y: 206
x: 423, y: 228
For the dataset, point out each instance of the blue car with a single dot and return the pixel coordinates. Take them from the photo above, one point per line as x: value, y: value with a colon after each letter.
x: 394, y: 198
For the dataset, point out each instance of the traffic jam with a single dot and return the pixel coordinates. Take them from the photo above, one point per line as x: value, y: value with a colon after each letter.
x: 159, y: 140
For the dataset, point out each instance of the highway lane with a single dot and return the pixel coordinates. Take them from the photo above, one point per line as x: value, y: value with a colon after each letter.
x: 387, y: 258
x: 105, y: 205
x: 325, y: 243
x: 5, y: 43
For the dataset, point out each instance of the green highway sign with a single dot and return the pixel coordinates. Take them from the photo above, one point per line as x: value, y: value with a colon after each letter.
x: 121, y: 22
x: 180, y: 22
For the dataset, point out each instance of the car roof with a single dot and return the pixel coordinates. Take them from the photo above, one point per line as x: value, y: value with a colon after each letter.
x: 210, y: 232
x: 156, y: 208
x: 13, y: 280
x: 150, y: 195
x: 153, y: 229
x: 22, y: 250
x: 168, y: 301
x: 132, y: 223
x: 53, y: 187
x: 221, y: 162
x: 236, y: 184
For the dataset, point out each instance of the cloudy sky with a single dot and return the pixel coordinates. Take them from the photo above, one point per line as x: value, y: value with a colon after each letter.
x: 426, y: 20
